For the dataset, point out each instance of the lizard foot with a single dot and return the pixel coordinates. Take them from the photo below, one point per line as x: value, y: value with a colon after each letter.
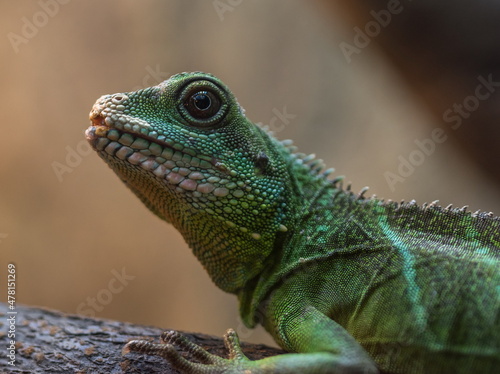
x: 208, y: 363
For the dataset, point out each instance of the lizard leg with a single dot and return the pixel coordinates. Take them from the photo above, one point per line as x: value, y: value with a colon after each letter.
x: 315, y: 362
x: 209, y: 363
x: 320, y: 340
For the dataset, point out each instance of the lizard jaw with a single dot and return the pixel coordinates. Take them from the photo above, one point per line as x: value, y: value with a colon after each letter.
x: 159, y: 159
x: 99, y: 128
x: 115, y: 135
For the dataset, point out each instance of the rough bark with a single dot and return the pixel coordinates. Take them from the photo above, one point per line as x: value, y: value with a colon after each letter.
x: 49, y: 341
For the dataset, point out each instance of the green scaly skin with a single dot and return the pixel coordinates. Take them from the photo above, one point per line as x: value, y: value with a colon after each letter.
x: 351, y: 284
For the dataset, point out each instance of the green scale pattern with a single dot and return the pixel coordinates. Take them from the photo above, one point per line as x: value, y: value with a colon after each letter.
x: 342, y: 278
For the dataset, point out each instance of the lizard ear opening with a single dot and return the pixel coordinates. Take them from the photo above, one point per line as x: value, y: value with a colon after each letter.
x: 203, y: 104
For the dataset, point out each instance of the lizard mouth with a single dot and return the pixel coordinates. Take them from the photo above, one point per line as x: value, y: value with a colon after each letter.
x: 180, y: 169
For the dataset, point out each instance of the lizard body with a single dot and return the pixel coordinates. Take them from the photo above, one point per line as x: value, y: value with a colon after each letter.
x: 350, y: 283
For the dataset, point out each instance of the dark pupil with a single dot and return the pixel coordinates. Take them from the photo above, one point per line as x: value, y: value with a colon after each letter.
x: 202, y: 104
x: 201, y: 101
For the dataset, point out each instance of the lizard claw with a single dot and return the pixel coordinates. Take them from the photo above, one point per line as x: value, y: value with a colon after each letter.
x: 207, y: 362
x: 148, y: 348
x: 175, y: 338
x: 232, y: 343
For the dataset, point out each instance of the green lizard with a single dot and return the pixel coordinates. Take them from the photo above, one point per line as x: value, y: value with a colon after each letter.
x: 349, y: 284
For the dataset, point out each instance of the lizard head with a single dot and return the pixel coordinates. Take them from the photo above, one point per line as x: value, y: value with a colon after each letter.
x: 186, y: 149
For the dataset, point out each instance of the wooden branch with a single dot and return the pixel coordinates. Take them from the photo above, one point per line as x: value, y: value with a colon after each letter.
x: 55, y: 342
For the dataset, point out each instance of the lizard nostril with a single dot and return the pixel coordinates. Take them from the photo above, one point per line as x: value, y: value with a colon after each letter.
x: 119, y: 99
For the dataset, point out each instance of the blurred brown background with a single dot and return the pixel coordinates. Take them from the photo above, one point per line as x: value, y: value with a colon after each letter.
x: 70, y: 225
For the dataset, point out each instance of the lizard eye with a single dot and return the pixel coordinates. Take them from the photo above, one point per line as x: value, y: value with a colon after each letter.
x: 203, y: 104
